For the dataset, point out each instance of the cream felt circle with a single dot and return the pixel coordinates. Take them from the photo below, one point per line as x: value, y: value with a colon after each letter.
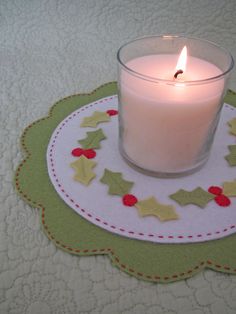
x: 107, y: 211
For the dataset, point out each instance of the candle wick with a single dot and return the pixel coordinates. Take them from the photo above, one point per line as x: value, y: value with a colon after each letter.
x: 177, y: 73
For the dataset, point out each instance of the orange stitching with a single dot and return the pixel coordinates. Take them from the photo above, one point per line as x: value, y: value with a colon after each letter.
x: 106, y: 250
x: 123, y: 266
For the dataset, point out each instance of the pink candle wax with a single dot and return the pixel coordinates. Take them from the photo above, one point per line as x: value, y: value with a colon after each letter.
x: 167, y: 124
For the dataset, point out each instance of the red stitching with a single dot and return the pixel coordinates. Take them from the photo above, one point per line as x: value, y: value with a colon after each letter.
x: 85, y: 211
x: 155, y: 277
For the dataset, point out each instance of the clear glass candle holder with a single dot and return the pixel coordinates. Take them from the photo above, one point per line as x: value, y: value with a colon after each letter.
x: 168, y: 116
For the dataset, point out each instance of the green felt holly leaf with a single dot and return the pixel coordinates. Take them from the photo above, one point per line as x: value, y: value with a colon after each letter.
x: 231, y: 158
x: 83, y: 167
x: 232, y: 124
x: 151, y: 207
x: 159, y: 262
x: 93, y: 139
x: 117, y: 185
x: 229, y: 188
x: 197, y: 197
x: 96, y: 118
x: 230, y: 98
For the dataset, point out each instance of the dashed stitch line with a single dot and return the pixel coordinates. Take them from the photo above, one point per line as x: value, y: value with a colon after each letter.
x: 85, y: 212
x: 108, y: 251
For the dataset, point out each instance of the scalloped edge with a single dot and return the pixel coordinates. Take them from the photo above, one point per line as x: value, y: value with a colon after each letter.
x: 109, y: 251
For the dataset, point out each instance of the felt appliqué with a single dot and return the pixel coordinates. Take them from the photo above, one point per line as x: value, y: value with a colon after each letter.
x: 77, y: 152
x: 129, y: 200
x: 158, y: 263
x: 232, y: 124
x: 151, y: 207
x: 220, y: 198
x: 88, y: 153
x: 230, y: 97
x: 231, y: 158
x: 216, y: 190
x: 93, y: 139
x: 112, y: 112
x: 117, y: 185
x: 197, y: 197
x: 229, y: 188
x: 83, y: 167
x: 96, y: 118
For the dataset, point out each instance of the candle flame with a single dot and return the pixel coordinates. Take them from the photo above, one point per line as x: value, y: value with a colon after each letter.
x: 181, y: 64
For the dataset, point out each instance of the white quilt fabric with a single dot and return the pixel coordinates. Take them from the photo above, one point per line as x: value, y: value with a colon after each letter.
x: 50, y: 49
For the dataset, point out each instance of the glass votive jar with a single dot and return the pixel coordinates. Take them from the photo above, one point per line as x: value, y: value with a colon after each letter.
x: 168, y: 113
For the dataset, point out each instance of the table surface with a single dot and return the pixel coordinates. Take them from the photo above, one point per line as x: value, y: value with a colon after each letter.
x: 51, y: 49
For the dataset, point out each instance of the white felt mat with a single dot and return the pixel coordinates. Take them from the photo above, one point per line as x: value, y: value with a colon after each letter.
x: 52, y: 49
x: 96, y: 205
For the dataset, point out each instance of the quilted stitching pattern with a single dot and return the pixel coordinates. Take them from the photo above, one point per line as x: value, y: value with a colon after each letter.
x: 50, y: 49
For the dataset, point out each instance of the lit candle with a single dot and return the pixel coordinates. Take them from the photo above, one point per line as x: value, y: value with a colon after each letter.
x: 166, y: 124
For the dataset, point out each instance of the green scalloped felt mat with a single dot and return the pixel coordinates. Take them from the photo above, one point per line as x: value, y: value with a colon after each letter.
x: 74, y: 234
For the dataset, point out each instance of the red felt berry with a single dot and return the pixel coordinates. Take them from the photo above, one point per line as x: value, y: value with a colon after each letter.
x: 89, y: 153
x: 216, y: 190
x: 112, y: 112
x: 77, y: 152
x: 129, y: 200
x: 222, y: 200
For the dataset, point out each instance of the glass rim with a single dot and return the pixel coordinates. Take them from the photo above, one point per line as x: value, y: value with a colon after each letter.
x: 171, y: 82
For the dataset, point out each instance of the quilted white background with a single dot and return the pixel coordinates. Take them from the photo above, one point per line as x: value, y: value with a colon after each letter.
x: 50, y: 49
